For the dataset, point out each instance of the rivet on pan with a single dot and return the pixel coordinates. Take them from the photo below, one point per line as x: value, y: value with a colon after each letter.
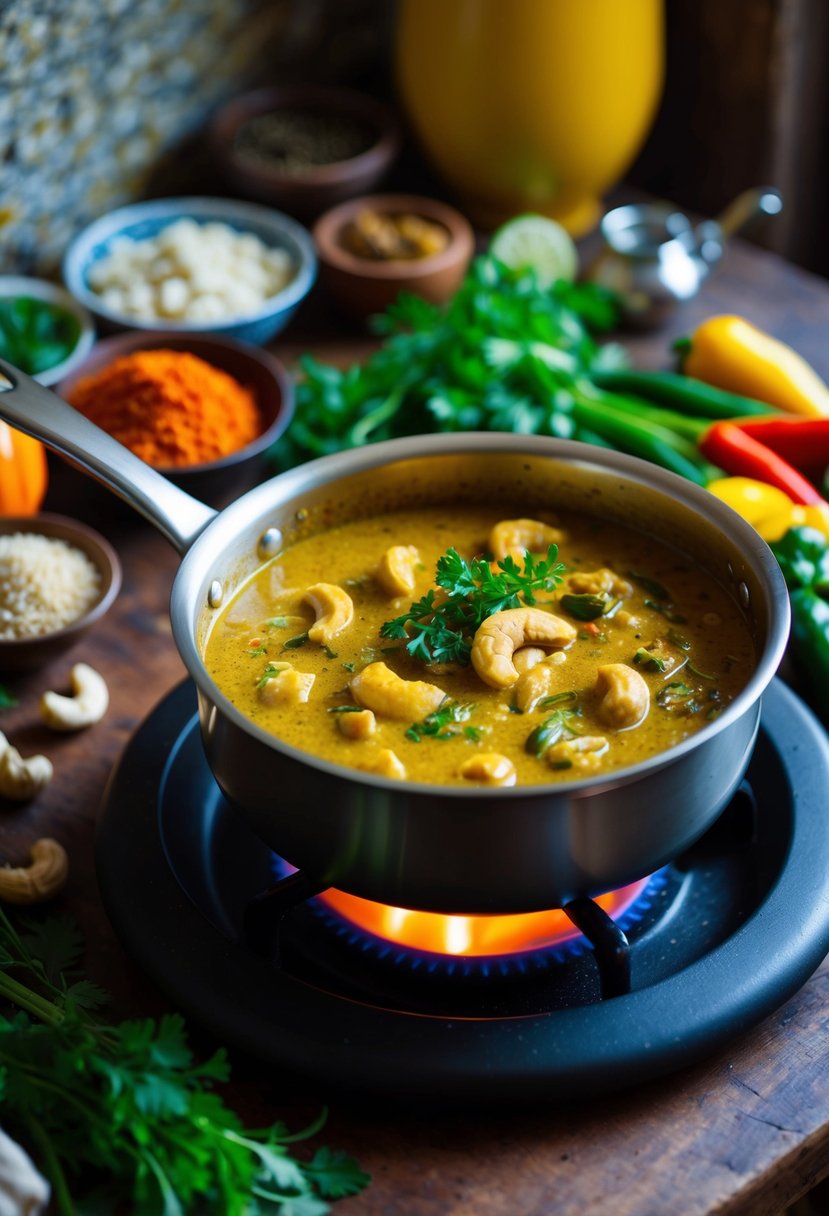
x: 270, y: 543
x: 743, y: 595
x: 216, y: 594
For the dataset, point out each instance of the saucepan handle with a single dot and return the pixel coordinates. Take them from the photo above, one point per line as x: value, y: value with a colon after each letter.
x: 29, y: 407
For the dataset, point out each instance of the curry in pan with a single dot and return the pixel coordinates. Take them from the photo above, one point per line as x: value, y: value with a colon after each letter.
x: 468, y: 648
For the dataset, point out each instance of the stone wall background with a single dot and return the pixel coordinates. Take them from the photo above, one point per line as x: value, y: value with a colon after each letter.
x: 95, y: 94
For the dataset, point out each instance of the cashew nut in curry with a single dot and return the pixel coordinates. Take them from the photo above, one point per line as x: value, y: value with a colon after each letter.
x: 617, y: 657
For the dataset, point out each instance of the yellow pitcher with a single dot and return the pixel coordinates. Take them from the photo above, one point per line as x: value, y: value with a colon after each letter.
x: 530, y: 105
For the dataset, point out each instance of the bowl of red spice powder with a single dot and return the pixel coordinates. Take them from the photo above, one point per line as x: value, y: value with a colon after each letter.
x: 203, y: 411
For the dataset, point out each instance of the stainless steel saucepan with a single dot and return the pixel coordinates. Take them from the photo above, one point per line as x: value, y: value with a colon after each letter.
x: 430, y: 847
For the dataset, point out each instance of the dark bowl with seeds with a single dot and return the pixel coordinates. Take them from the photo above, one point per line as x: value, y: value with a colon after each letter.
x: 303, y: 148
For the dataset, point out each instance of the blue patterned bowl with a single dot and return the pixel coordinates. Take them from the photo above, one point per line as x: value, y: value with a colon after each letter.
x: 141, y: 221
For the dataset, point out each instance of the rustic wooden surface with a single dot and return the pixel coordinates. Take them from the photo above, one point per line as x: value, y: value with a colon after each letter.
x: 742, y: 1135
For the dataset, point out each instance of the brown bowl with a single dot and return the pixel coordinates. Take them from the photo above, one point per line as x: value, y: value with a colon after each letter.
x: 28, y: 654
x: 216, y: 481
x: 362, y: 286
x: 308, y: 192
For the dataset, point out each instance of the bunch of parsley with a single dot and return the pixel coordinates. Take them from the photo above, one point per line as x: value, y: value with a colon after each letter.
x: 504, y: 355
x: 439, y: 627
x: 121, y: 1114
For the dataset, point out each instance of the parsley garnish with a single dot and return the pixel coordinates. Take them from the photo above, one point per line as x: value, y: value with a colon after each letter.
x: 295, y: 642
x: 6, y: 698
x: 440, y: 723
x: 439, y: 629
x: 122, y: 1113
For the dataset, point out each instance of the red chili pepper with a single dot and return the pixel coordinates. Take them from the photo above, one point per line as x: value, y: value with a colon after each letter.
x: 731, y: 448
x: 804, y: 442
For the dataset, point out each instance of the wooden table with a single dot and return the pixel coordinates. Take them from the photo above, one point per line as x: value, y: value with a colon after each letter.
x: 745, y: 1133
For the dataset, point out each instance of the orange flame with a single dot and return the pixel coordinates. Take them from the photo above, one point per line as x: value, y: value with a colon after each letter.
x: 470, y: 936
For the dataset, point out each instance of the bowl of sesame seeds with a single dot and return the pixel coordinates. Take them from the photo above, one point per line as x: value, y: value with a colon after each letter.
x: 58, y: 577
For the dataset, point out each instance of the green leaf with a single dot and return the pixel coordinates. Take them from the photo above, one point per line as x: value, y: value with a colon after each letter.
x: 649, y: 660
x: 295, y: 642
x: 56, y: 941
x: 440, y: 724
x: 335, y: 1174
x: 7, y: 700
x: 551, y: 730
x: 585, y: 607
x: 86, y: 995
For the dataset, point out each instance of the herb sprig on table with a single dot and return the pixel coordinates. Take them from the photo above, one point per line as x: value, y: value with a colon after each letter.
x: 439, y: 628
x: 505, y: 355
x: 126, y: 1105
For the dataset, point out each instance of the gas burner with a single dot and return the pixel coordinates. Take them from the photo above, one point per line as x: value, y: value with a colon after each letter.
x: 717, y: 940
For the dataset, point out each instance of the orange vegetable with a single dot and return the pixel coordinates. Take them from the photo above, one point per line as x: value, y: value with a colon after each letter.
x: 24, y: 475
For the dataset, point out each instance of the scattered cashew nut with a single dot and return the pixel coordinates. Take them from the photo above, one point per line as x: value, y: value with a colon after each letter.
x: 624, y: 696
x: 379, y: 688
x: 490, y: 768
x: 87, y: 705
x: 396, y: 569
x: 41, y: 880
x: 536, y: 683
x: 21, y: 779
x: 515, y: 537
x: 503, y: 633
x: 334, y: 611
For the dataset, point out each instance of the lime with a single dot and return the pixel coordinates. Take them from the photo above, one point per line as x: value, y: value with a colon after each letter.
x: 537, y: 242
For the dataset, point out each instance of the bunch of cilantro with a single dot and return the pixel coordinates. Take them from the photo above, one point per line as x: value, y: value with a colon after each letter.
x: 506, y: 354
x: 119, y: 1116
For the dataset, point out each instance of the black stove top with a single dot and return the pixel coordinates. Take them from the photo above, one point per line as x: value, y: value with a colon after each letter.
x: 718, y: 939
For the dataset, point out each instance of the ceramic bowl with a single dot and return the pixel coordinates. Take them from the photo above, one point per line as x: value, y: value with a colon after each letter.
x: 143, y: 220
x: 310, y: 191
x: 362, y: 286
x: 15, y: 286
x: 28, y: 654
x: 218, y: 480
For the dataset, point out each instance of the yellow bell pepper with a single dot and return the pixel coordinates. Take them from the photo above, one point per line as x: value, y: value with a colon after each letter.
x: 769, y: 510
x: 731, y: 353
